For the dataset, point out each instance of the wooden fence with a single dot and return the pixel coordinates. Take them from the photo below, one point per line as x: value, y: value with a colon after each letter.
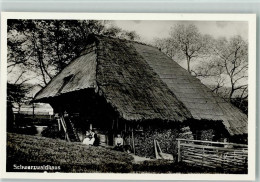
x: 218, y: 155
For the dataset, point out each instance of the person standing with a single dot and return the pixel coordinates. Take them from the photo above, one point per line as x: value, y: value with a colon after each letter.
x: 95, y: 136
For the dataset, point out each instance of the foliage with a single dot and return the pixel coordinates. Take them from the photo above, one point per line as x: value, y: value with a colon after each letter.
x: 44, y: 47
x: 52, y: 131
x: 16, y: 94
x: 24, y: 128
x: 39, y: 49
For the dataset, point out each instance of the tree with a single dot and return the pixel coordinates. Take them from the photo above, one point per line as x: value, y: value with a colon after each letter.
x: 16, y: 96
x: 232, y: 59
x: 227, y: 67
x: 130, y: 35
x: 39, y: 49
x: 189, y: 42
x: 210, y: 70
x: 223, y: 62
x: 45, y: 47
x: 185, y: 42
x: 167, y: 46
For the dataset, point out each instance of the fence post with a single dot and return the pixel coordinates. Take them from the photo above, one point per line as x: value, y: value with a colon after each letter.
x: 133, y: 140
x: 179, y: 150
x: 203, y: 156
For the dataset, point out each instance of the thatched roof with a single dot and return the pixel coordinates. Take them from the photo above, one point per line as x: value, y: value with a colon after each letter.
x: 79, y: 74
x: 199, y: 99
x: 141, y: 82
x: 123, y: 77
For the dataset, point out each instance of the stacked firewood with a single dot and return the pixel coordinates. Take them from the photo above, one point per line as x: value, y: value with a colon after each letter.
x: 207, y: 135
x: 144, y: 142
x: 186, y: 133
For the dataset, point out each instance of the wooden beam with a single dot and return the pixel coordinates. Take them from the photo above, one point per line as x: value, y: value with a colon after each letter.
x: 59, y: 124
x: 133, y: 140
x: 179, y: 150
x: 112, y: 124
x: 207, y: 147
x: 65, y: 129
x: 221, y: 143
x: 155, y: 149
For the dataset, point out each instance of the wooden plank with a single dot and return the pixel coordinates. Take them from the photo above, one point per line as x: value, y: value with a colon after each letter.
x: 59, y: 124
x: 198, y: 162
x: 216, y: 160
x: 65, y: 128
x: 237, y: 158
x: 133, y: 140
x: 179, y: 150
x: 211, y: 142
x: 212, y: 156
x: 205, y: 146
x: 211, y: 162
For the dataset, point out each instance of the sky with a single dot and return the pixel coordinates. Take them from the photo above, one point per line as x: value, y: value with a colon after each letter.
x: 150, y: 29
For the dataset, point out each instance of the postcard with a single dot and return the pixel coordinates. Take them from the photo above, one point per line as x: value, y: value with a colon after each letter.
x: 128, y: 96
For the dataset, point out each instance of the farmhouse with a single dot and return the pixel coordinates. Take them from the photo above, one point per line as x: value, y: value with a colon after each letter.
x: 121, y: 86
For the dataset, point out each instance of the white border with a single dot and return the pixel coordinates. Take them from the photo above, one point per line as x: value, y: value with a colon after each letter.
x: 250, y: 18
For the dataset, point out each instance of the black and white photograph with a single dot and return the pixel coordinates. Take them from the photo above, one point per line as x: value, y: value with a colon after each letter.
x: 129, y: 96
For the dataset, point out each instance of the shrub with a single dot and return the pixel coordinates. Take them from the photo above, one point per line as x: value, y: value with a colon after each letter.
x: 52, y: 131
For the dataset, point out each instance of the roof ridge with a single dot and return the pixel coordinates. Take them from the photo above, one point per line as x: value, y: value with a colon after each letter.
x: 122, y: 39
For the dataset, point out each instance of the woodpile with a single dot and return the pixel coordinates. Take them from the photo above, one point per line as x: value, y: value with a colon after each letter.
x: 207, y: 135
x: 144, y: 141
x: 186, y: 133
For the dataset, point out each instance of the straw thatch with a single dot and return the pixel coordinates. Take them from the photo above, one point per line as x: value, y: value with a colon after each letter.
x: 199, y: 99
x: 79, y: 74
x: 116, y: 71
x: 141, y: 82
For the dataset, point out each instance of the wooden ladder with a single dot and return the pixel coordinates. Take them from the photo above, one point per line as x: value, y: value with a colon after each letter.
x: 74, y: 131
x: 65, y: 127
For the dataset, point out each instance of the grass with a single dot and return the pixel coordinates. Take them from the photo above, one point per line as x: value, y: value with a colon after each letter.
x: 29, y: 150
x: 165, y: 166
